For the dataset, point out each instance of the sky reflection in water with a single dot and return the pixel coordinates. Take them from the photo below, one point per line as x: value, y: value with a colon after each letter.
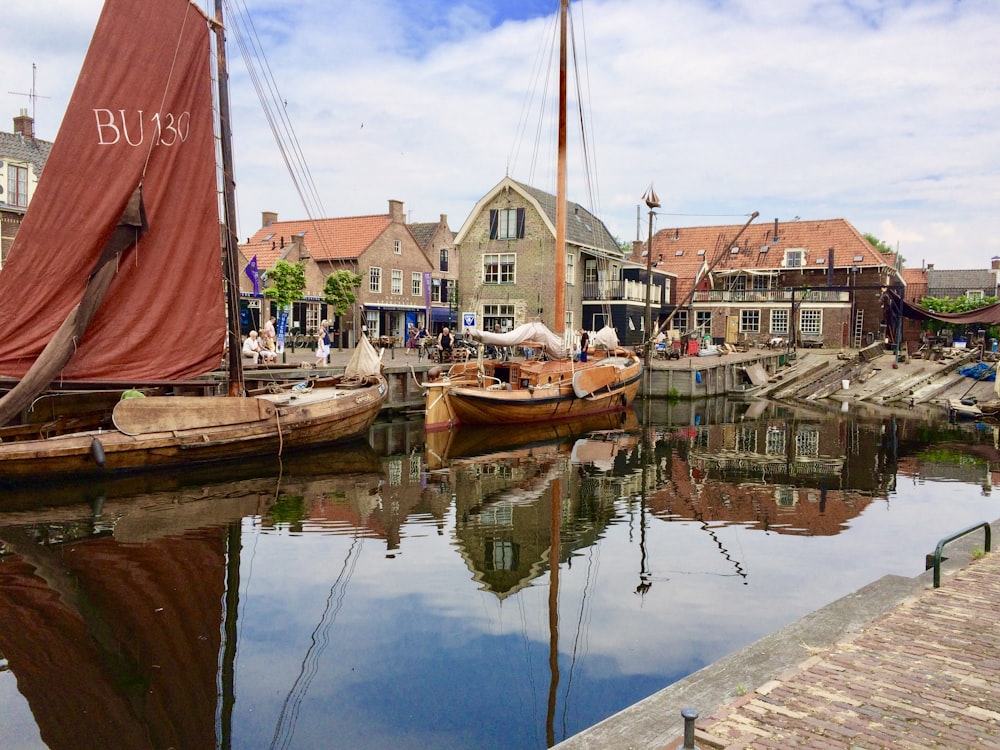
x: 409, y: 606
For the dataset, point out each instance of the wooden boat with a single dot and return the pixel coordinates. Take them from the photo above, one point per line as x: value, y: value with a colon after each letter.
x: 489, y: 392
x: 96, y: 279
x: 443, y: 446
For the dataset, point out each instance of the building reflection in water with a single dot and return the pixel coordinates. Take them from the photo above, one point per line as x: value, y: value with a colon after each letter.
x: 118, y: 604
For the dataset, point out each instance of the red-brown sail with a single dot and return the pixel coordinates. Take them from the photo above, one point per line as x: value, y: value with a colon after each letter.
x: 140, y: 116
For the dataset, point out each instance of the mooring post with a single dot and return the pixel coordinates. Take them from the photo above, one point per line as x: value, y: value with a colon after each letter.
x: 689, y: 715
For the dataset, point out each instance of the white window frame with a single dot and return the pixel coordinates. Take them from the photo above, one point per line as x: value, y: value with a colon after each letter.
x: 570, y: 269
x: 811, y: 322
x: 504, y: 267
x: 779, y: 322
x: 397, y: 247
x: 507, y: 224
x: 416, y: 284
x: 396, y: 283
x: 375, y: 280
x: 795, y: 257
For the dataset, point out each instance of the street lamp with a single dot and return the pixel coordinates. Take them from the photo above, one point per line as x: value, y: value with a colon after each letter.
x: 651, y: 202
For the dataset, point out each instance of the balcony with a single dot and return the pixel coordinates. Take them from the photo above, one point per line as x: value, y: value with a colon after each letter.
x: 769, y: 296
x: 621, y: 291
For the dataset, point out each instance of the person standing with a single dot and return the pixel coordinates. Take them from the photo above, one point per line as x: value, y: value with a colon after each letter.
x: 322, y: 345
x: 584, y: 344
x: 445, y: 343
x: 270, y: 336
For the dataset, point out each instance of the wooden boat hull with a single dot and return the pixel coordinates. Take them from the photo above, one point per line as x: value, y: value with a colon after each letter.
x: 608, y: 388
x: 289, y: 420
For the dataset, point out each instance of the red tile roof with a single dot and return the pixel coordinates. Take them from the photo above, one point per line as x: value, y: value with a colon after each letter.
x: 686, y: 250
x: 326, y: 239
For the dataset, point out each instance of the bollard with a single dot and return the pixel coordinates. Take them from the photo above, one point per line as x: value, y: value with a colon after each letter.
x: 689, y: 715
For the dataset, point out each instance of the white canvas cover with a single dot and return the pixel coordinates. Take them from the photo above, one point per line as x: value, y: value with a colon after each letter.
x: 365, y: 361
x: 535, y: 332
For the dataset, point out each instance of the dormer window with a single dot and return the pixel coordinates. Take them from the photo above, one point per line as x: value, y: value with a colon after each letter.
x: 794, y: 258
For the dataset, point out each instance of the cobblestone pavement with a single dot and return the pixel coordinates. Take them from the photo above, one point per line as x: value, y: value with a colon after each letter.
x: 924, y: 675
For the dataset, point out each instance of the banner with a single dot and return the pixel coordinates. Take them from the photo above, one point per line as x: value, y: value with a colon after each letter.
x: 251, y: 272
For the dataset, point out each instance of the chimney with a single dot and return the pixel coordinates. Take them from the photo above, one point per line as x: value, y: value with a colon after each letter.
x: 281, y: 240
x: 444, y: 222
x: 396, y: 215
x: 24, y: 124
x: 930, y: 266
x: 995, y: 263
x: 267, y: 218
x: 775, y: 229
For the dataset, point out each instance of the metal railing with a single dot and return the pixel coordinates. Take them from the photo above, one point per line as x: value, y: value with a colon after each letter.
x: 936, y: 560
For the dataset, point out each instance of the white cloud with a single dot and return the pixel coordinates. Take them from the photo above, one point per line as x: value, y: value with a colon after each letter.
x: 882, y: 113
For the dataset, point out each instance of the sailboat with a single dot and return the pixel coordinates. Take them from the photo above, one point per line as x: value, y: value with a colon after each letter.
x: 496, y: 392
x: 117, y: 273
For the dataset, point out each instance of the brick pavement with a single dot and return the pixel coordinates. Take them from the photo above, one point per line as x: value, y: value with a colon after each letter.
x: 924, y: 675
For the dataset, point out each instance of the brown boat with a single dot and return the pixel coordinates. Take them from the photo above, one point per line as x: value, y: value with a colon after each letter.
x: 496, y: 392
x: 96, y: 279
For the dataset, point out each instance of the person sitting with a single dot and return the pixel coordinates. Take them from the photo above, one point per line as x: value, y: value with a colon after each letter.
x: 446, y: 342
x: 252, y: 347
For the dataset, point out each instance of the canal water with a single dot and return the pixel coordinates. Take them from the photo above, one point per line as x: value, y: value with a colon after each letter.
x: 403, y: 593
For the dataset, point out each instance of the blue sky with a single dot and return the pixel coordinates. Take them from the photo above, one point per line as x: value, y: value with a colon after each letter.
x: 883, y: 112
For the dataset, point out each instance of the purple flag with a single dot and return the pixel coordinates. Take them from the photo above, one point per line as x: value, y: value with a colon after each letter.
x: 251, y: 272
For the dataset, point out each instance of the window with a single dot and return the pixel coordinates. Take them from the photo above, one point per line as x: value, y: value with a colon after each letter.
x: 397, y: 247
x: 703, y: 320
x: 807, y: 442
x: 779, y: 321
x: 374, y: 279
x: 590, y: 270
x: 498, y: 315
x: 750, y: 321
x: 498, y: 268
x: 416, y: 284
x: 443, y: 260
x: 397, y: 281
x: 739, y: 283
x: 436, y: 291
x: 681, y: 320
x: 746, y: 440
x: 761, y: 283
x: 506, y: 224
x: 775, y: 441
x: 794, y: 258
x: 570, y: 269
x: 371, y: 320
x: 974, y: 294
x: 17, y: 186
x: 568, y: 322
x: 811, y: 322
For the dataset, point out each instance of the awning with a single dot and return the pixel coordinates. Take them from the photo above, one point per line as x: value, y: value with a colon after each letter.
x: 442, y: 315
x: 989, y: 315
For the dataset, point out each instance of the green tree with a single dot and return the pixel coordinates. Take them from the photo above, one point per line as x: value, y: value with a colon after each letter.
x: 338, y: 292
x: 882, y: 247
x: 287, y: 281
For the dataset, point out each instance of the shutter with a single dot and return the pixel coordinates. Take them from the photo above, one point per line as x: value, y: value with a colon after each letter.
x: 520, y: 223
x: 494, y: 221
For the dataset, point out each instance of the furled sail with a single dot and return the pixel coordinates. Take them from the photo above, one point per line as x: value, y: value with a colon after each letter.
x: 140, y: 118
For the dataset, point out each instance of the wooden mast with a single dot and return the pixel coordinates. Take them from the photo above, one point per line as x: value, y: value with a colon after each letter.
x: 559, y: 321
x: 235, y: 358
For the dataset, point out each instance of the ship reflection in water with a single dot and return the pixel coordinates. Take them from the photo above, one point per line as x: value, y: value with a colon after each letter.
x: 504, y: 590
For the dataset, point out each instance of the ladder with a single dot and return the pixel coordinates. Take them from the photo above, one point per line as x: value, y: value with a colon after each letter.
x: 859, y: 326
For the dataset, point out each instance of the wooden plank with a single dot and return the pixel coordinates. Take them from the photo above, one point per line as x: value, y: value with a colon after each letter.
x: 141, y: 416
x: 592, y: 379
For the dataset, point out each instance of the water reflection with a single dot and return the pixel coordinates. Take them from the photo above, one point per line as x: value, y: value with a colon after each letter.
x: 478, y: 591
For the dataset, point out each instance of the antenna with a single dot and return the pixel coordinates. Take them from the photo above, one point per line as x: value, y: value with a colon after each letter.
x: 33, y: 95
